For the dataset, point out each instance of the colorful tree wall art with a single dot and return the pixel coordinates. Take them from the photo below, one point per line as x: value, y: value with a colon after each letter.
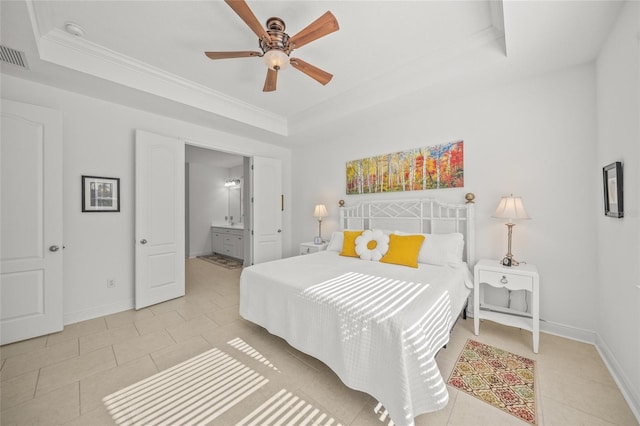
x: 431, y: 167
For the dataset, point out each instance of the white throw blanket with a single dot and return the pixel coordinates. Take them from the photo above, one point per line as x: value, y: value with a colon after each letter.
x: 377, y: 326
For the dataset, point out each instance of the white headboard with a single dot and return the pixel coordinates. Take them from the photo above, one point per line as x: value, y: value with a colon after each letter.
x: 425, y: 216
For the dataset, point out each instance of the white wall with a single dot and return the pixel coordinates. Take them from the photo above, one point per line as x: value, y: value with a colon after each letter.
x: 208, y: 202
x: 534, y: 138
x: 99, y: 140
x: 618, y: 244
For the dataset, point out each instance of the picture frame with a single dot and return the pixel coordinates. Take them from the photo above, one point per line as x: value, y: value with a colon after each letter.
x: 100, y: 194
x: 418, y: 169
x: 613, y: 190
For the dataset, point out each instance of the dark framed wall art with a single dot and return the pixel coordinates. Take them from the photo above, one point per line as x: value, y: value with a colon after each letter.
x: 100, y: 194
x: 613, y: 190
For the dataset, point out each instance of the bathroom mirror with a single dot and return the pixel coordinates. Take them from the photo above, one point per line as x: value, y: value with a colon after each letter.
x: 235, y: 203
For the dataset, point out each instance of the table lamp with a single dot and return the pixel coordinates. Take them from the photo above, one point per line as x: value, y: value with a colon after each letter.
x: 510, y: 208
x: 320, y: 212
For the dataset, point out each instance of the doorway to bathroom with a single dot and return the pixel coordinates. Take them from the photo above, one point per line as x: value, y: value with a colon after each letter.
x: 216, y: 217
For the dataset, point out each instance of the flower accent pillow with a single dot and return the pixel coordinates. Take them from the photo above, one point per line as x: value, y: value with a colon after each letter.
x: 372, y: 245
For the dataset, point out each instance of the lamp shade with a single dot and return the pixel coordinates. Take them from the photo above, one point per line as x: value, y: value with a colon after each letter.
x: 320, y: 211
x: 511, y: 207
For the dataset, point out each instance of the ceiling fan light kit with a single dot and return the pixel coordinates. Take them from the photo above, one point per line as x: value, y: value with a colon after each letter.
x: 276, y: 45
x: 276, y: 59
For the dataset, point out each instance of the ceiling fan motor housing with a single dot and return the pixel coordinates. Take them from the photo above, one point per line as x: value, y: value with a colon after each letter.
x: 279, y: 39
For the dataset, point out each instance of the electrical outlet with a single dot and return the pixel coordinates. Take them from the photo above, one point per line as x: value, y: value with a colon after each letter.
x: 111, y: 283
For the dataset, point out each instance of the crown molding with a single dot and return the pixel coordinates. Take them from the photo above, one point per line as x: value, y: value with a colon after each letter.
x: 79, y: 54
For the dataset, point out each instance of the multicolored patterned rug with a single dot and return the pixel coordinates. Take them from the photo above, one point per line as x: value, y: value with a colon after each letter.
x: 497, y: 377
x: 223, y: 261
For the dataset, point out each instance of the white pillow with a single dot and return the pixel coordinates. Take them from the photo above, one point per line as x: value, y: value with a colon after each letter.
x: 383, y: 230
x: 381, y: 245
x: 336, y: 241
x: 440, y: 249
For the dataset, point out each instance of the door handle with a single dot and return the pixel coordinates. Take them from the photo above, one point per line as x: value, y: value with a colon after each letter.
x: 143, y: 241
x: 54, y: 248
x: 279, y: 230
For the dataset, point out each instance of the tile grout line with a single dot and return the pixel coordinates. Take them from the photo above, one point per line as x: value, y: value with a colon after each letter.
x: 171, y: 335
x: 79, y: 401
x: 113, y: 350
x: 154, y: 362
x: 136, y: 327
x: 455, y: 400
x: 35, y: 388
x: 79, y: 398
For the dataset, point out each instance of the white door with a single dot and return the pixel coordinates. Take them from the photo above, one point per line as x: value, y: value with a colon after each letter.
x: 31, y: 222
x: 159, y: 233
x: 267, y: 209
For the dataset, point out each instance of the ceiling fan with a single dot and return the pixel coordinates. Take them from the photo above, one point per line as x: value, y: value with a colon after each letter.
x: 276, y: 45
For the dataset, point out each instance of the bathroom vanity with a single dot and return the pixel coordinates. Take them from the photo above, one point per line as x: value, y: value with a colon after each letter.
x: 228, y: 240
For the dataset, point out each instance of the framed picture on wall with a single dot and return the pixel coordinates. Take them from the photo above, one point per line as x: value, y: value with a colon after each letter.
x: 613, y: 194
x: 100, y: 194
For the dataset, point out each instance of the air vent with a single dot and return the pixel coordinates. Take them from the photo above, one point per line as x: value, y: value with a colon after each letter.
x: 13, y: 57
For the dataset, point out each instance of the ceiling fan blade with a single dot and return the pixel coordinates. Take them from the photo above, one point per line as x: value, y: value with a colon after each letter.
x: 316, y: 73
x: 326, y: 24
x: 270, y: 81
x: 245, y: 13
x: 227, y: 55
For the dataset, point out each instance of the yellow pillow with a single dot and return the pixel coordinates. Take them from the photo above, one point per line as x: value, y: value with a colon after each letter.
x: 403, y: 250
x: 349, y: 243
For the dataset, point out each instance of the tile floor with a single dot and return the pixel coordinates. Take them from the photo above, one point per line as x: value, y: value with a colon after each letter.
x: 62, y: 378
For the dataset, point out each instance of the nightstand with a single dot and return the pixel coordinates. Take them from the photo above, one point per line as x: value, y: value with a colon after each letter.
x: 307, y: 248
x: 522, y: 277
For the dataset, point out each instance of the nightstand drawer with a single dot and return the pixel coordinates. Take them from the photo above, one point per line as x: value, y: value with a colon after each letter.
x: 509, y: 280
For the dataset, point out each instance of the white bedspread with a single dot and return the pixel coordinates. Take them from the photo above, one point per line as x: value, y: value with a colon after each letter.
x: 377, y: 326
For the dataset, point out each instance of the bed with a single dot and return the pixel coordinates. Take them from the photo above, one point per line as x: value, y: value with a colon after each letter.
x: 377, y: 325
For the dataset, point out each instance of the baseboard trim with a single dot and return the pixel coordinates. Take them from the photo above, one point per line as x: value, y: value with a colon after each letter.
x: 557, y: 329
x: 621, y: 379
x: 98, y: 311
x: 570, y: 332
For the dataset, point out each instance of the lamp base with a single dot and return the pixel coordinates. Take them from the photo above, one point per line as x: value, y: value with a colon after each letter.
x: 509, y: 261
x: 318, y: 239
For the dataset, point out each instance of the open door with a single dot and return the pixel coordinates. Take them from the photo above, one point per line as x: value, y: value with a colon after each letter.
x: 31, y: 221
x: 159, y: 219
x: 267, y: 209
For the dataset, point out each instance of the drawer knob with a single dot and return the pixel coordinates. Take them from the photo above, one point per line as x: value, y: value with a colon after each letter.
x: 504, y: 280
